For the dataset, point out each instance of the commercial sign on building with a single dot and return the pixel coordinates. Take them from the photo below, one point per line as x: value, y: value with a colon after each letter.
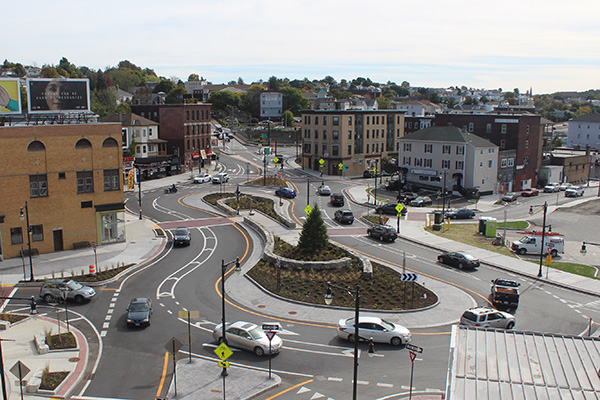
x: 58, y: 95
x: 10, y: 96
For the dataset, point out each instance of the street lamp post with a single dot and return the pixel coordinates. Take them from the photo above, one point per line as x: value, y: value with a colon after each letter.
x: 26, y: 216
x: 545, y: 205
x: 356, y: 295
x: 224, y: 266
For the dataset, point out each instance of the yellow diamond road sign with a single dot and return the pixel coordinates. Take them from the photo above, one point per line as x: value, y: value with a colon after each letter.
x: 340, y: 165
x: 399, y: 207
x: 276, y: 160
x: 308, y: 209
x: 321, y: 161
x: 223, y: 352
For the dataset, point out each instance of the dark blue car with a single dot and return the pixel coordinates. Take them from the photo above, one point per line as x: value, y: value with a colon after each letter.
x: 286, y: 192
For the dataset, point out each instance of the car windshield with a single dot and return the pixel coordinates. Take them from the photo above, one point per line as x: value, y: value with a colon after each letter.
x: 387, y: 325
x: 470, y: 316
x: 73, y: 285
x: 347, y: 213
x: 256, y: 333
x: 137, y: 307
x: 181, y: 232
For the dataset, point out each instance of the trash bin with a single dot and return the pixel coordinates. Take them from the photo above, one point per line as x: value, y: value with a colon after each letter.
x: 438, y: 217
x: 490, y: 227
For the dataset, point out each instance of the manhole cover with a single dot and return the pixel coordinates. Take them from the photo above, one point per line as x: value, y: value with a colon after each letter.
x: 74, y: 359
x: 261, y: 306
x: 292, y: 313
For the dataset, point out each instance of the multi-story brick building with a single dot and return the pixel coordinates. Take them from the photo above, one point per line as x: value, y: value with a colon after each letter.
x: 520, y: 132
x: 357, y: 139
x: 186, y: 127
x: 69, y: 177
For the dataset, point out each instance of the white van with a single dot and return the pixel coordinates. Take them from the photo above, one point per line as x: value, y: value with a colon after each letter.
x: 531, y: 244
x: 574, y: 191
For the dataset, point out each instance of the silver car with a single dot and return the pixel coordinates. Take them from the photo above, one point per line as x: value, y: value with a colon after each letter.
x: 248, y: 336
x: 378, y: 329
x: 55, y: 290
x: 485, y: 317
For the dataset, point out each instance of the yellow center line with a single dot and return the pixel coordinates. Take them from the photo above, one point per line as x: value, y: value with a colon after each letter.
x: 292, y: 388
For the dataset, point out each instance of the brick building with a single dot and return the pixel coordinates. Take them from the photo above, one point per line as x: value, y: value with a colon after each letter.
x: 186, y: 127
x: 70, y: 178
x: 519, y: 132
x: 357, y: 139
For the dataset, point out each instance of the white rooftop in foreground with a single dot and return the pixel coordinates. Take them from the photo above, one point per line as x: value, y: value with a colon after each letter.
x: 507, y: 364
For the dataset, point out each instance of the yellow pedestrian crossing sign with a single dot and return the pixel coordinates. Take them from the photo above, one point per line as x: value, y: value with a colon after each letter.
x: 399, y: 208
x: 223, y: 352
x: 340, y: 166
x: 276, y: 160
x: 321, y: 161
x: 308, y: 209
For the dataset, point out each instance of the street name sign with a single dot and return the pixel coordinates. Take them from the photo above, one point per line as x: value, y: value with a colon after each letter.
x: 414, y: 348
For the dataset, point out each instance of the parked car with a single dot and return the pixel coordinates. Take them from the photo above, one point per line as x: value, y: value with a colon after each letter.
x: 337, y: 199
x: 459, y: 259
x: 390, y: 209
x: 421, y: 201
x: 344, y: 216
x: 139, y: 312
x: 324, y: 190
x: 285, y: 192
x: 460, y: 213
x: 382, y: 232
x: 182, y: 236
x: 530, y: 192
x: 406, y: 197
x: 202, y: 178
x: 552, y: 188
x: 485, y: 317
x: 221, y: 177
x: 510, y: 197
x: 574, y: 191
x: 369, y: 173
x: 55, y: 290
x: 379, y: 329
x: 248, y: 336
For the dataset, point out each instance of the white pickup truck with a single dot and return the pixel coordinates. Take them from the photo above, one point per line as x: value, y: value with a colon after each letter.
x: 553, y: 244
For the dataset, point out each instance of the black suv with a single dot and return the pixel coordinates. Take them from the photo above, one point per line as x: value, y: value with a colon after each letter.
x: 182, y: 236
x: 389, y: 209
x: 337, y: 199
x: 382, y: 232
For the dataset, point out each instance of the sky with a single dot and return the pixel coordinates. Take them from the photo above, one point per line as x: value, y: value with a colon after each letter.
x: 546, y: 45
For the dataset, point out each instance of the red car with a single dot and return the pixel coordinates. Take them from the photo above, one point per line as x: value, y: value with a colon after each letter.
x: 530, y: 192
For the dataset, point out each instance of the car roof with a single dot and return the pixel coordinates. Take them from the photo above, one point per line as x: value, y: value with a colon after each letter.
x: 140, y: 300
x: 243, y: 325
x: 368, y: 319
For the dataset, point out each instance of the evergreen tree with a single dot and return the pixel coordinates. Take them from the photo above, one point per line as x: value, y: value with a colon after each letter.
x: 314, y: 236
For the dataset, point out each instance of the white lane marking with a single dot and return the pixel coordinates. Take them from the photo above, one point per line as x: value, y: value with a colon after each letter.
x: 334, y: 379
x: 106, y: 325
x: 385, y: 385
x: 103, y: 334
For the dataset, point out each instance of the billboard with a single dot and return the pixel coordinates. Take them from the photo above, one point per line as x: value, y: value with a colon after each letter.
x: 58, y: 95
x: 10, y: 96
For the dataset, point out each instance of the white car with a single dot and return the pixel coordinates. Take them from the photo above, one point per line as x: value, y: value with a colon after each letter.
x: 565, y: 186
x: 379, y: 329
x: 552, y: 188
x: 324, y: 190
x: 485, y: 317
x: 221, y: 178
x: 247, y: 336
x: 574, y: 191
x: 202, y: 178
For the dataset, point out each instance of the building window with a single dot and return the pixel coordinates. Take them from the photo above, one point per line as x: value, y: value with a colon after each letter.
x: 407, y: 147
x: 488, y: 128
x: 446, y: 164
x: 446, y: 149
x: 349, y: 149
x: 307, y: 148
x: 324, y: 134
x: 16, y: 235
x: 111, y: 180
x: 368, y: 120
x: 459, y: 165
x: 503, y: 128
x: 83, y: 144
x: 349, y: 120
x: 527, y: 143
x: 316, y: 134
x: 62, y: 175
x: 307, y: 133
x: 316, y: 120
x: 325, y: 152
x: 460, y: 150
x: 336, y: 120
x: 490, y: 163
x: 511, y: 162
x: 317, y: 148
x: 502, y: 143
x: 418, y: 162
x: 350, y: 135
x: 527, y: 130
x: 428, y: 162
x: 525, y: 160
x: 471, y: 126
x: 367, y: 149
x: 187, y: 115
x: 503, y: 163
x: 335, y: 150
x: 85, y: 182
x: 428, y: 148
x: 406, y: 161
x: 38, y: 185
x: 336, y: 135
x: 367, y: 133
x: 37, y: 233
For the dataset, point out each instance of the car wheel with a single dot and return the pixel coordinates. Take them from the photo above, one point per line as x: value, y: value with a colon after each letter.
x: 510, y: 325
x: 259, y: 351
x: 461, y: 266
x: 79, y: 299
x: 396, y: 341
x: 554, y: 253
x: 440, y: 259
x: 381, y: 238
x: 351, y: 338
x: 49, y: 298
x: 351, y: 222
x: 522, y: 251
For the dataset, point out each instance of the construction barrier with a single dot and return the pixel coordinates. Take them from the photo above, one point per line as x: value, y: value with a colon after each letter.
x: 92, y: 269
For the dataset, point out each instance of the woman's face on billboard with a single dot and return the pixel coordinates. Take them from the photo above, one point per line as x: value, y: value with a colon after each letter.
x: 52, y: 95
